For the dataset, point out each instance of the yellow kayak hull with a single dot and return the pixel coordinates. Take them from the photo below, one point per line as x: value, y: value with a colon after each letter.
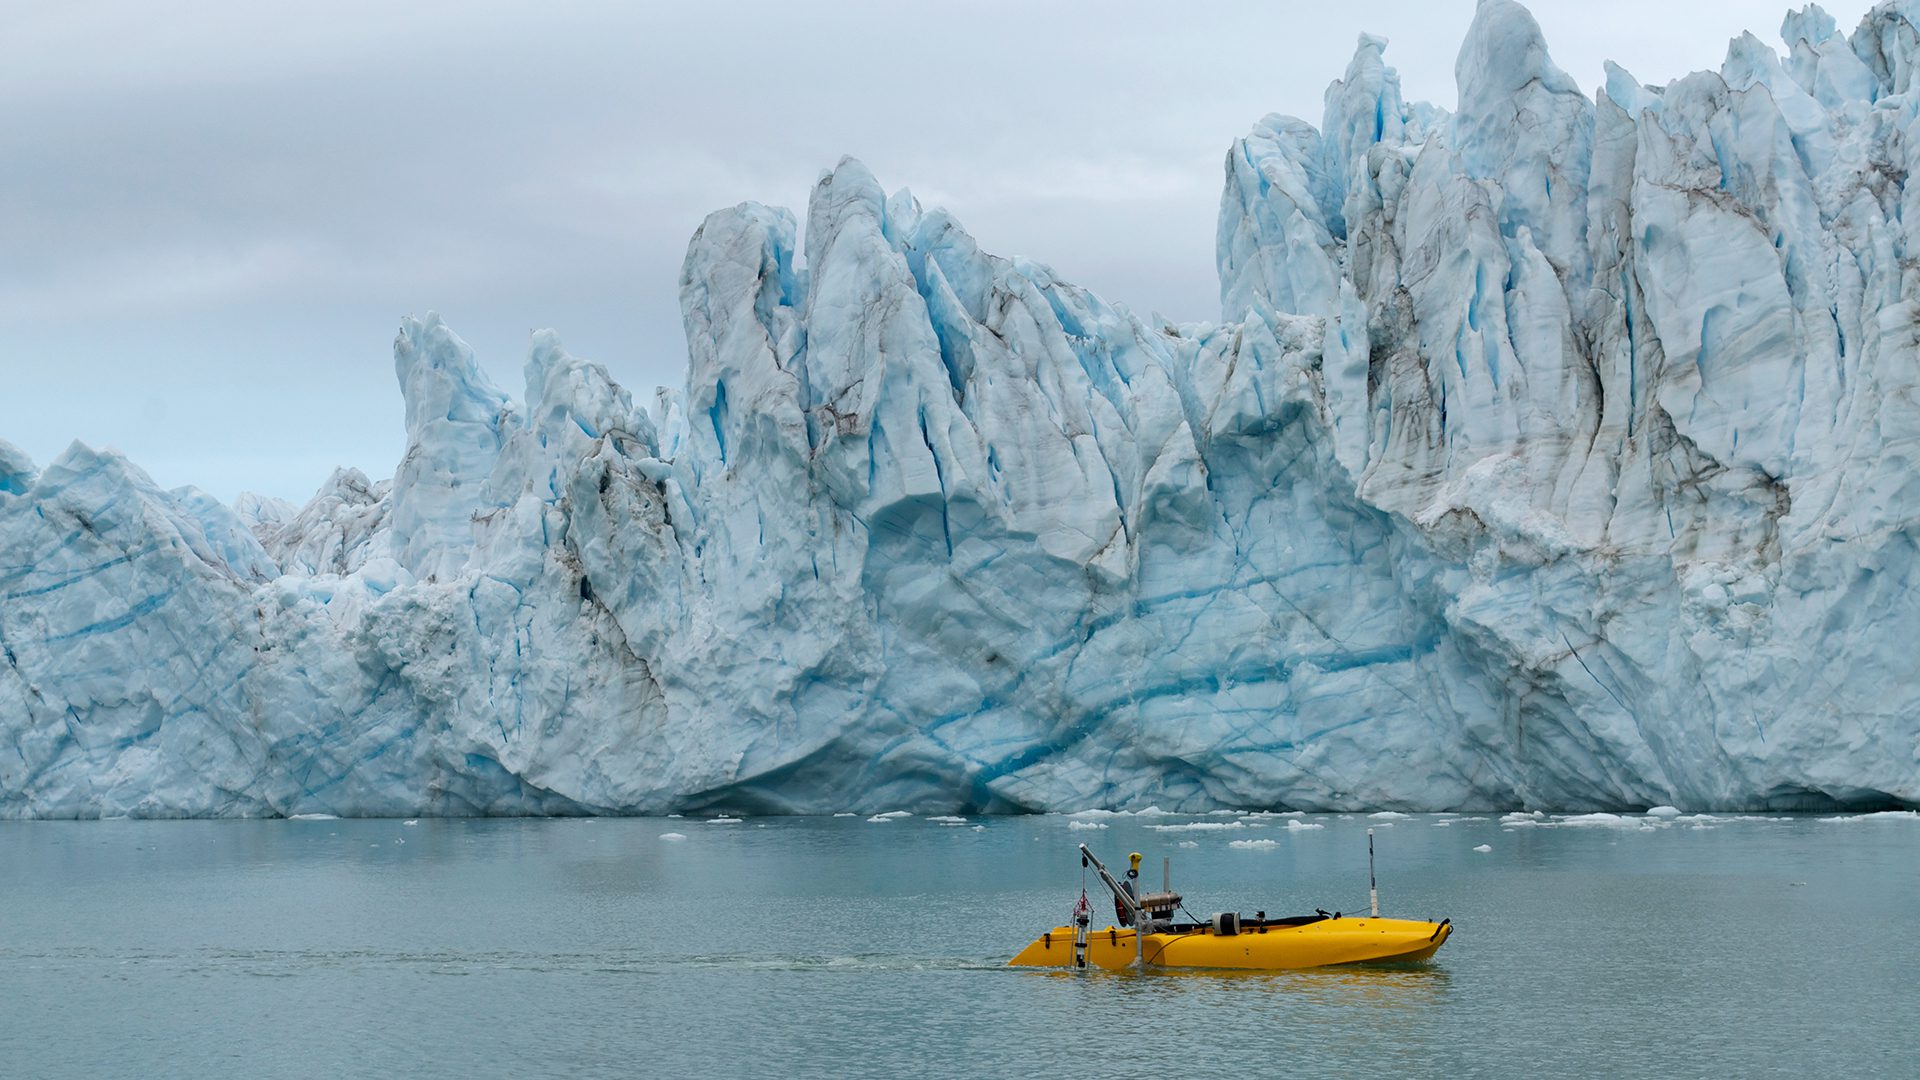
x: 1321, y: 943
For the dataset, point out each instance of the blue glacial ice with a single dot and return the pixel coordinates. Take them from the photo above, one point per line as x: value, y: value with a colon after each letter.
x: 1556, y: 452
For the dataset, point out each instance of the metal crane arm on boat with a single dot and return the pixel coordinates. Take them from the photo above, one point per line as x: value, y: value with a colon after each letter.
x: 1125, y: 898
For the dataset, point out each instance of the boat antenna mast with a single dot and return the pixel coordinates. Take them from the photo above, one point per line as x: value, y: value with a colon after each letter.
x: 1373, y: 887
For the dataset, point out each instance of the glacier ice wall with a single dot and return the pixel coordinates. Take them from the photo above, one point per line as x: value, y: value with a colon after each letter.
x: 1556, y: 451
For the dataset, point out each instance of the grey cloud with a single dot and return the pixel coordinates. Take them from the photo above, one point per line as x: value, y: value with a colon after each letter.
x: 225, y: 208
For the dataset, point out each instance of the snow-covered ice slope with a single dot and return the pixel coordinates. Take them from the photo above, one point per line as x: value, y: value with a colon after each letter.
x: 1555, y: 452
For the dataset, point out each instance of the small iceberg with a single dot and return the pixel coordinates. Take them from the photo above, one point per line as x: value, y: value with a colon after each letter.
x: 1591, y: 820
x: 1883, y: 815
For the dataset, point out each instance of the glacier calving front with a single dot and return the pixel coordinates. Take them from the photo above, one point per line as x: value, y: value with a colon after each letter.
x: 1556, y: 452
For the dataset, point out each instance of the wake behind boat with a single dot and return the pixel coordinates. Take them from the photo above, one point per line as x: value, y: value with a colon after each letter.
x: 1151, y: 937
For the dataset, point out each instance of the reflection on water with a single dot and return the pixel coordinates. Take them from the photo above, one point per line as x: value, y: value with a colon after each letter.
x: 836, y: 947
x: 1400, y: 981
x: 1336, y: 1003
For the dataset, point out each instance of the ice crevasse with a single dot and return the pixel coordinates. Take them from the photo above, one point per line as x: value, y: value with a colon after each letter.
x: 1555, y: 452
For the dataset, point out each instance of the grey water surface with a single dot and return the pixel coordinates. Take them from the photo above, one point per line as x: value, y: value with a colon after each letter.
x: 847, y: 947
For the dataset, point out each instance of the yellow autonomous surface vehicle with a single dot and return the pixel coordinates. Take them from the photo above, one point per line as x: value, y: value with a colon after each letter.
x: 1227, y: 940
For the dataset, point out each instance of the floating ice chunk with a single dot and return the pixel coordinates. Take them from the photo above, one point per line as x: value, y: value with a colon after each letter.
x: 846, y: 813
x: 1882, y: 815
x: 313, y: 817
x: 947, y: 819
x: 890, y: 815
x: 1607, y: 821
x: 1189, y: 843
x: 1088, y: 825
x: 673, y: 836
x: 416, y: 821
x: 1664, y: 812
x: 1303, y: 826
x: 724, y: 820
x: 1253, y: 843
x: 1483, y: 848
x: 1389, y: 815
x: 1199, y: 826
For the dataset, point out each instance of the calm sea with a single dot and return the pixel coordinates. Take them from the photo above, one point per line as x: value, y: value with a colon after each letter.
x: 779, y: 947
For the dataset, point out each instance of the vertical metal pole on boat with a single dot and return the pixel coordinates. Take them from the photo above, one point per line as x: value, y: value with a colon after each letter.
x: 1127, y: 903
x: 1082, y: 916
x: 1373, y: 889
x: 1142, y: 922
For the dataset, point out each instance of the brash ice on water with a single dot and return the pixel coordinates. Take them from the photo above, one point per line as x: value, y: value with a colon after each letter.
x: 1556, y: 451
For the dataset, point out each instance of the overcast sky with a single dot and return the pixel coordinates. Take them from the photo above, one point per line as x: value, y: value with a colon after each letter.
x: 213, y: 215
